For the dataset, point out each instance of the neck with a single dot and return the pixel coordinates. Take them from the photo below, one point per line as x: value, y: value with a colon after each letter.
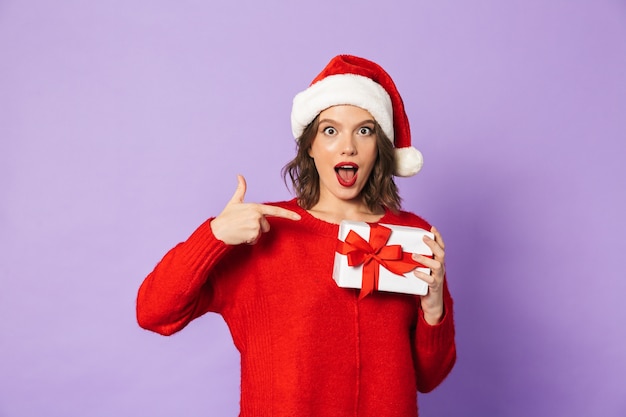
x: 340, y: 210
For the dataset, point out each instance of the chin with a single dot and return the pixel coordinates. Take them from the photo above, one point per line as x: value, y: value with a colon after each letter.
x: 343, y: 193
x: 350, y: 193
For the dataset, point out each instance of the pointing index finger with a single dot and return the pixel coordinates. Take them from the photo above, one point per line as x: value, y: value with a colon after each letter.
x: 274, y: 211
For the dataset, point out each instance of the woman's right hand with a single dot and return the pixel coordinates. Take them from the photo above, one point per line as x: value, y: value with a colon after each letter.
x: 241, y: 222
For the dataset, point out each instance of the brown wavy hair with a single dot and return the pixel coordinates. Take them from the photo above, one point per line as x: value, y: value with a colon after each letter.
x: 380, y: 190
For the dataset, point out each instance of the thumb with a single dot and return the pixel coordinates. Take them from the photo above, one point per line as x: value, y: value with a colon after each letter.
x: 240, y: 192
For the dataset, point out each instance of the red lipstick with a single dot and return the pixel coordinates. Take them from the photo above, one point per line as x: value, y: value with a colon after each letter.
x: 346, y: 173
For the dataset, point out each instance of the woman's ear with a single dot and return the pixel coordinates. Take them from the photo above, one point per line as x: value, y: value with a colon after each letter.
x: 309, y: 151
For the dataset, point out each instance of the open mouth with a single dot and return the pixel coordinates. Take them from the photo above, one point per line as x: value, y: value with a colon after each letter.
x: 346, y: 173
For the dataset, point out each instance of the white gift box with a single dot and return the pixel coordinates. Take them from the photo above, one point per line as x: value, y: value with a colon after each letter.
x: 411, y: 240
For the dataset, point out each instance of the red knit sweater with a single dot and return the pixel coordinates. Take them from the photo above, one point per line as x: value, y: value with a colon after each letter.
x: 308, y: 347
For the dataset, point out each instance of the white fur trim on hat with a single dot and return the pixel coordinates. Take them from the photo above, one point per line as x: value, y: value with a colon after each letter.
x: 341, y: 89
x: 409, y: 161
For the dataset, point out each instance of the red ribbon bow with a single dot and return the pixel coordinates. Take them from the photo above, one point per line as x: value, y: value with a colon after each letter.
x: 373, y: 254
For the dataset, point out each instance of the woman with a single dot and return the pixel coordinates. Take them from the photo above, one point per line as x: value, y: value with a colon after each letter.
x: 309, y: 347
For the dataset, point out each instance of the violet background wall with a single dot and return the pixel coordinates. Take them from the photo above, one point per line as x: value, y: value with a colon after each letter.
x: 124, y: 123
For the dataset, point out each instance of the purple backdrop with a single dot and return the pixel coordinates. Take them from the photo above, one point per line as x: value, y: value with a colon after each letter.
x: 123, y: 125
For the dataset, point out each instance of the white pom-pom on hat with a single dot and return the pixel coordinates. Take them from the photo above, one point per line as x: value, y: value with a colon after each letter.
x: 409, y: 161
x: 359, y: 82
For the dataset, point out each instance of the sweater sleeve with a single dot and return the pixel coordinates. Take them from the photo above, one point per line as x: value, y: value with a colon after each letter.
x: 435, y: 347
x: 176, y: 291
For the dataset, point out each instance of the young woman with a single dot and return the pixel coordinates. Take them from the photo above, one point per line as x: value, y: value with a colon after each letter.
x: 309, y: 347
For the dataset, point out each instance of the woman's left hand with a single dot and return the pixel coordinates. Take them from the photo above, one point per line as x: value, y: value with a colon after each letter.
x: 432, y: 303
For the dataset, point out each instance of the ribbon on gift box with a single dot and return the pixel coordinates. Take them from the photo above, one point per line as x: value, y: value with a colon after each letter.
x: 374, y: 254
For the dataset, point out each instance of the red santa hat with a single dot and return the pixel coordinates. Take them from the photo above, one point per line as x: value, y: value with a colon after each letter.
x: 356, y: 81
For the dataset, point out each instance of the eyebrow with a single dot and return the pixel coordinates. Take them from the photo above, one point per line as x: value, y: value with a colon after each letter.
x: 334, y: 121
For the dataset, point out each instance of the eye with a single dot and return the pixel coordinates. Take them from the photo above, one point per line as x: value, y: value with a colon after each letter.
x: 365, y: 131
x: 330, y: 131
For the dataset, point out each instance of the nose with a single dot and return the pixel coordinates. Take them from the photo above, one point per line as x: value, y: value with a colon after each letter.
x: 348, y: 146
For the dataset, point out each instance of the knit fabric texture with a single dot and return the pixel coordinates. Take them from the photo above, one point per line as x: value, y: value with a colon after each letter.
x: 308, y: 347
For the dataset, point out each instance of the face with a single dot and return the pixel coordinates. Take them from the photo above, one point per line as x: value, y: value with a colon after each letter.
x: 344, y: 151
